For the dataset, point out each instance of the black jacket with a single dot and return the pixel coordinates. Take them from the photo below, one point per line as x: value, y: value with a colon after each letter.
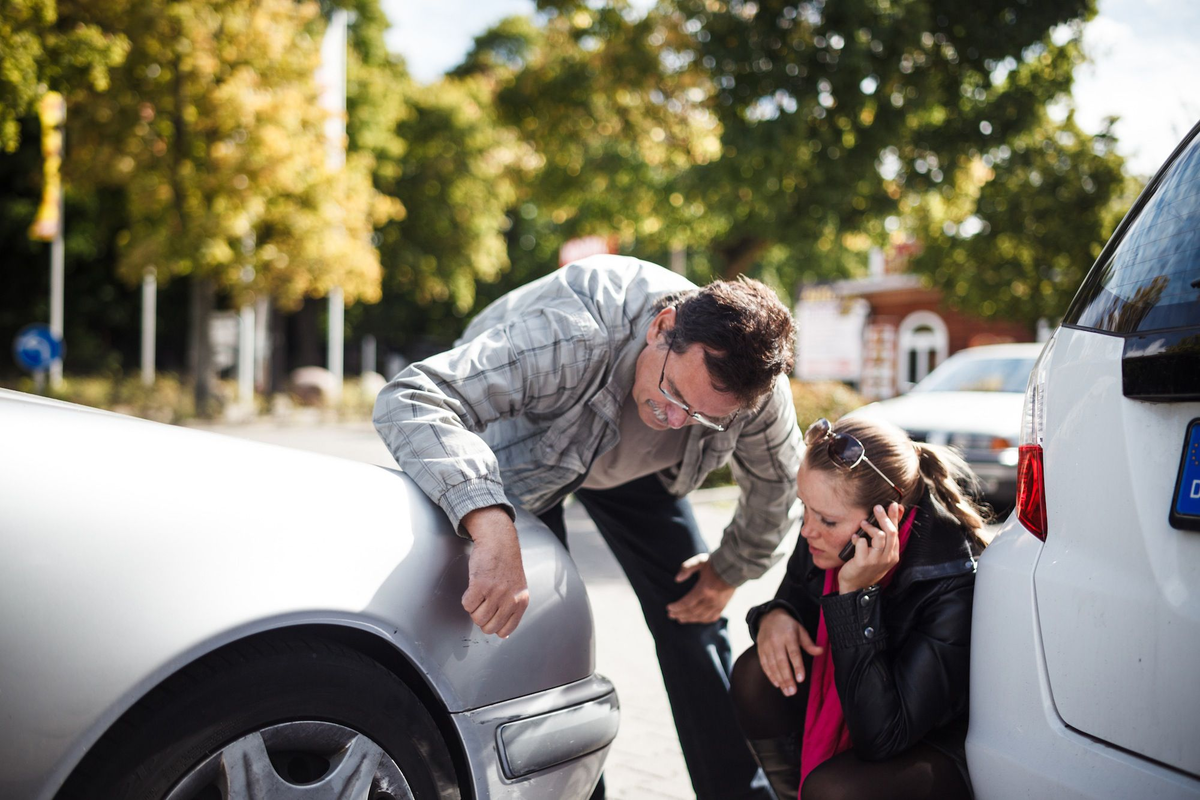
x: 901, y: 656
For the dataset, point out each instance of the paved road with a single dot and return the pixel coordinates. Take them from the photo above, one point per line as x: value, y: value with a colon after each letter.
x: 645, y: 762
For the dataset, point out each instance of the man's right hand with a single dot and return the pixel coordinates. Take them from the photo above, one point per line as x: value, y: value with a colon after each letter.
x: 496, y: 595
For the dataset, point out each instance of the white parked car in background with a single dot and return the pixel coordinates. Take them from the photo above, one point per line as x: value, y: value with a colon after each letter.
x: 1086, y: 635
x: 971, y: 401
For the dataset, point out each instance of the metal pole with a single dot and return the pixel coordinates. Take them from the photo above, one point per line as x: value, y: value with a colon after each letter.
x: 679, y: 260
x: 246, y: 356
x: 149, y: 318
x: 262, y: 342
x: 49, y: 222
x: 56, y: 297
x: 337, y: 336
x: 369, y: 361
x: 332, y: 76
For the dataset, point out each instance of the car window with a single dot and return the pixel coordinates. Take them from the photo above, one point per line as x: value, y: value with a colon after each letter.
x: 979, y: 375
x: 1151, y: 280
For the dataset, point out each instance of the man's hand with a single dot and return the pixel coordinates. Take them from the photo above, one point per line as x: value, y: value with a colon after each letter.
x: 707, y: 599
x: 780, y: 640
x: 496, y: 595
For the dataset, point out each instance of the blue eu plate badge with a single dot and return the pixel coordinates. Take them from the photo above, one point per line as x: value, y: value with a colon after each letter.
x: 1185, y: 508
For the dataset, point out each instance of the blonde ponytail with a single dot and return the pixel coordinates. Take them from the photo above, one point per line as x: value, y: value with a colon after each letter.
x: 951, y: 482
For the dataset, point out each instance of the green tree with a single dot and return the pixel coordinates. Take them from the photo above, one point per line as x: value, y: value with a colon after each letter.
x: 55, y: 45
x: 1025, y: 223
x: 101, y: 311
x: 826, y: 107
x: 47, y: 44
x: 442, y: 157
x: 456, y: 180
x: 611, y: 127
x: 816, y: 117
x: 214, y: 130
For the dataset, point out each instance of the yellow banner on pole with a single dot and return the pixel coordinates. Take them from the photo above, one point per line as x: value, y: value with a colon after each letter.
x: 52, y: 111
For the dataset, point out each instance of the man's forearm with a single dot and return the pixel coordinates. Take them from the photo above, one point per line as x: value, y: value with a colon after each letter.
x: 491, y: 521
x: 427, y: 433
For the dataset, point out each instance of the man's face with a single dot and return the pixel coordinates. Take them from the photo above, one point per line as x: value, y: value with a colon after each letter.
x: 683, y: 375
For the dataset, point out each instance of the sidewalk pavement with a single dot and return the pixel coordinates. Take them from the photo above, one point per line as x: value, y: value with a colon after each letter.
x: 645, y: 762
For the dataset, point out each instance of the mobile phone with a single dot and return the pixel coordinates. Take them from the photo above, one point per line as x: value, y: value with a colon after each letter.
x: 847, y: 552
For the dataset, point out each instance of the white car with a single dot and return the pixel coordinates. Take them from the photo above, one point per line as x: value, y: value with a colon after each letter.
x: 1086, y: 633
x: 971, y: 401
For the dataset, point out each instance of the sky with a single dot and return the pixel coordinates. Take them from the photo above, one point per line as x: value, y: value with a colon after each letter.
x: 1144, y: 68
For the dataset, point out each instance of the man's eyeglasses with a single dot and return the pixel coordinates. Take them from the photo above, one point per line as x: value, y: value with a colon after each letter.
x: 844, y: 450
x: 703, y: 420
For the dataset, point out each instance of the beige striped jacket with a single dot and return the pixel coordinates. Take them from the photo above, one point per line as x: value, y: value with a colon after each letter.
x: 531, y: 395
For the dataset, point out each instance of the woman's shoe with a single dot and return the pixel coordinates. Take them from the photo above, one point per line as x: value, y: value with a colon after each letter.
x: 779, y: 758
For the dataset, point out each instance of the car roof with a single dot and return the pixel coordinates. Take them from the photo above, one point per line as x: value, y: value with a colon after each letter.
x: 1012, y: 350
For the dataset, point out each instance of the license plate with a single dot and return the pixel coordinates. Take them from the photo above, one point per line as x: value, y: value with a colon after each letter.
x: 1185, y: 508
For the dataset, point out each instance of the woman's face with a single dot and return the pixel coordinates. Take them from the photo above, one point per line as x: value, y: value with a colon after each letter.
x: 829, y: 521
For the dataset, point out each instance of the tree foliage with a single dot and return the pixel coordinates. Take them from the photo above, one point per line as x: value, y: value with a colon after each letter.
x: 213, y: 127
x: 210, y: 143
x: 46, y: 44
x: 457, y: 171
x: 799, y: 133
x: 827, y: 110
x: 441, y: 153
x: 780, y: 139
x: 1025, y: 224
x: 611, y: 128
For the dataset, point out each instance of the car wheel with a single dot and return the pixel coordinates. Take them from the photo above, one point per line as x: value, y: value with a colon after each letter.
x: 273, y: 719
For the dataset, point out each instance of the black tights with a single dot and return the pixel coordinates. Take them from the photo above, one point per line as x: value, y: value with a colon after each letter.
x: 921, y: 771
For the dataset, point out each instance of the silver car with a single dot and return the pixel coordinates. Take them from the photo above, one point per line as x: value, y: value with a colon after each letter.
x: 185, y: 615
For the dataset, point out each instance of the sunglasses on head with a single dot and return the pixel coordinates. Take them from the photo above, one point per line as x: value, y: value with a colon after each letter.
x: 844, y: 450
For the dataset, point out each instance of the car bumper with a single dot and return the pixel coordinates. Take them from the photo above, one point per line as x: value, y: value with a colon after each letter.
x: 548, y: 744
x: 1018, y: 746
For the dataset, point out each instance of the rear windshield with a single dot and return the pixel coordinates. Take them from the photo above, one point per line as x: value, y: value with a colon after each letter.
x: 1151, y: 281
x: 979, y: 375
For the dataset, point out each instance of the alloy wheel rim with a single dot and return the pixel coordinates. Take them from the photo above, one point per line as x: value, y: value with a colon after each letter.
x: 304, y: 760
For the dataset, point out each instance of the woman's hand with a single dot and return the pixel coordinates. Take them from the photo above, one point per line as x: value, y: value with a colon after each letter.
x: 876, y: 551
x: 780, y: 640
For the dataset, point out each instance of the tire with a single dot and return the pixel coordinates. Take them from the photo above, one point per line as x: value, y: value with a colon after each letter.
x: 267, y: 716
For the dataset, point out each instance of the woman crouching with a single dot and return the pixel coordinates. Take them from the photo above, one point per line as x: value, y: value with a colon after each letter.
x: 857, y: 684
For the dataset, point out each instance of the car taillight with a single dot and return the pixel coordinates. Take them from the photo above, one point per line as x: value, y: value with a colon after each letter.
x: 1031, y: 473
x: 1031, y: 490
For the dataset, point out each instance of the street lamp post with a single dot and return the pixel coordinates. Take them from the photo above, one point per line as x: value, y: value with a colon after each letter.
x: 149, y: 317
x: 48, y: 224
x: 332, y: 77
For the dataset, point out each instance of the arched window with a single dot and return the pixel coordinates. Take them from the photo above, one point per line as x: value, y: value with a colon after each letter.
x: 923, y: 344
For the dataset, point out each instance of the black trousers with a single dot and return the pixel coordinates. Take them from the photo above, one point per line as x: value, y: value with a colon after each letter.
x: 652, y: 533
x: 922, y: 772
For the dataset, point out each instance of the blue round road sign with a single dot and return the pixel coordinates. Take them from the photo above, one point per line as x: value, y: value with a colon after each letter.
x: 35, y: 347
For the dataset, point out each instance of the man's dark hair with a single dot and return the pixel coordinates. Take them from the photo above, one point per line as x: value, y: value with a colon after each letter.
x: 747, y: 333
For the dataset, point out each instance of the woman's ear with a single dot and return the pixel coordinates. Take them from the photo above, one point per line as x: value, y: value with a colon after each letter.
x: 662, y: 324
